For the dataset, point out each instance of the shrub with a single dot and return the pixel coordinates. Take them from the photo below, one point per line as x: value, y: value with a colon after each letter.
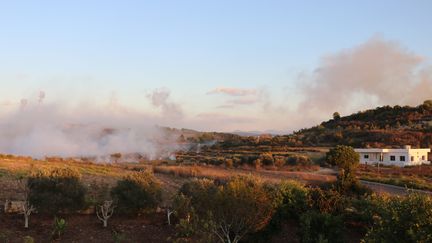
x: 59, y: 227
x: 267, y: 158
x: 365, y: 209
x: 403, y: 219
x: 28, y: 239
x: 291, y: 199
x: 320, y: 227
x: 279, y: 161
x: 231, y: 210
x: 137, y: 191
x: 229, y: 163
x: 57, y: 190
x: 299, y: 160
x: 326, y: 201
x: 257, y: 164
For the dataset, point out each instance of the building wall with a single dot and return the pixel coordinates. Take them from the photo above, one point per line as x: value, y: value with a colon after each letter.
x: 401, y: 157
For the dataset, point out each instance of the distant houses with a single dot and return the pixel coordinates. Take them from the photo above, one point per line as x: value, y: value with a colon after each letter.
x: 399, y: 157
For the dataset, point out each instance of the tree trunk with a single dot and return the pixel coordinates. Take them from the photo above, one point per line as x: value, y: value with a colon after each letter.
x: 26, y: 221
x: 105, y: 223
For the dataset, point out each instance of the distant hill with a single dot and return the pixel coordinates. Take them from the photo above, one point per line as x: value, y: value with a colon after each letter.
x: 384, y: 126
x: 379, y: 127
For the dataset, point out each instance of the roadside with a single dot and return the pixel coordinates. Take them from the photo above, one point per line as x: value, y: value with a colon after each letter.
x: 391, y: 189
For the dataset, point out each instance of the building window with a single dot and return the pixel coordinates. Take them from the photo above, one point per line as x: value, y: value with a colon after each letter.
x: 392, y: 158
x: 423, y: 157
x: 412, y: 158
x: 402, y: 158
x: 366, y: 156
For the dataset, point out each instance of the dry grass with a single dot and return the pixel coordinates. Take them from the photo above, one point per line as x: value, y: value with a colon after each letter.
x: 93, y: 174
x: 25, y: 166
x: 417, y: 177
x: 215, y: 172
x: 171, y: 177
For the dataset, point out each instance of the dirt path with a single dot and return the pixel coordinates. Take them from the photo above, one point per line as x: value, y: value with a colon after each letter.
x: 391, y: 189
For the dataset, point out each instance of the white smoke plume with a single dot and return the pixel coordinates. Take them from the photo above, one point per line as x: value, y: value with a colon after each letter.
x: 52, y: 129
x: 378, y: 72
x: 160, y: 99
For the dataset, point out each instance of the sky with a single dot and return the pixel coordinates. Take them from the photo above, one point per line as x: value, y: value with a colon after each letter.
x: 212, y: 65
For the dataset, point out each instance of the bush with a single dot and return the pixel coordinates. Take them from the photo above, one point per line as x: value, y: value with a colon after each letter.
x: 267, y: 158
x: 57, y: 190
x: 279, y: 161
x: 257, y: 164
x: 59, y: 227
x: 403, y: 219
x: 137, y: 191
x: 229, y: 163
x: 228, y: 211
x: 28, y: 239
x: 299, y: 160
x: 326, y: 201
x: 291, y: 200
x: 320, y: 227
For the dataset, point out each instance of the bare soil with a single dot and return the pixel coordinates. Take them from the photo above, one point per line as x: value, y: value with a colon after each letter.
x: 87, y: 228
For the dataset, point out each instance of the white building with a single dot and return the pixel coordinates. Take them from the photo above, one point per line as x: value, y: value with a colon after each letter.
x: 399, y: 157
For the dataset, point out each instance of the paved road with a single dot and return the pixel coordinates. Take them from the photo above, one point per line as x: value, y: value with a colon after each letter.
x: 391, y: 189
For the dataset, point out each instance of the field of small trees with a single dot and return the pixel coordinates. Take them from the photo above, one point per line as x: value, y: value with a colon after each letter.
x: 85, y: 202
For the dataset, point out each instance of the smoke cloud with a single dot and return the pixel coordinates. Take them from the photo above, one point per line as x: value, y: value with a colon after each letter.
x: 233, y: 91
x: 160, y: 99
x: 51, y: 129
x: 378, y: 72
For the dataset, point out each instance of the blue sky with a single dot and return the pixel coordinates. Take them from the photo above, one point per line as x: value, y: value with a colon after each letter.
x: 95, y: 50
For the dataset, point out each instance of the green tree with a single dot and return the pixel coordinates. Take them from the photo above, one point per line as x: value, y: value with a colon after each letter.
x: 347, y: 161
x: 343, y: 156
x: 336, y: 116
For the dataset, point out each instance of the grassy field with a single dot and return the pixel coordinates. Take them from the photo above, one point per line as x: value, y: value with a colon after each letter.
x: 171, y: 176
x: 417, y: 177
x: 142, y: 228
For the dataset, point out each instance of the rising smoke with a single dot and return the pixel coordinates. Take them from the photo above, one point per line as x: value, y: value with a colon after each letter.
x: 378, y: 72
x: 40, y: 129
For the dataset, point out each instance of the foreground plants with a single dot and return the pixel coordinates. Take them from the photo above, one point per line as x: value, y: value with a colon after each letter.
x: 59, y: 227
x: 136, y: 192
x: 105, y: 211
x: 57, y: 190
x: 403, y: 219
x: 224, y: 213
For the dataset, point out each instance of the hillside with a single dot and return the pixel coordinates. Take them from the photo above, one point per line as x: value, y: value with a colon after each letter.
x: 383, y: 126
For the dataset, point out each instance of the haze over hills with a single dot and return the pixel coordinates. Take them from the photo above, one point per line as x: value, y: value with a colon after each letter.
x: 384, y: 126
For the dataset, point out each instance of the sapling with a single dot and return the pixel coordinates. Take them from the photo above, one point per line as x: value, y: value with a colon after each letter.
x: 105, y: 211
x: 26, y: 208
x: 169, y: 212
